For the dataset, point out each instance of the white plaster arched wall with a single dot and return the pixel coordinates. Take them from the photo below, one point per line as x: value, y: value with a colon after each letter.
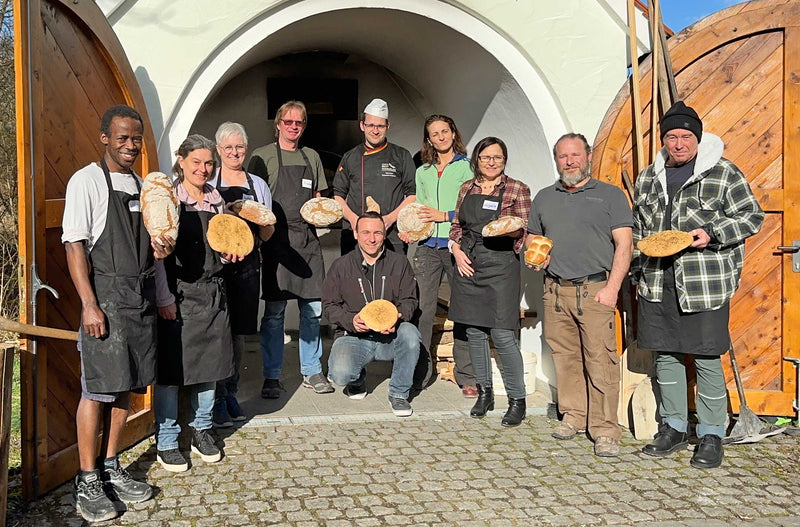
x: 240, y: 41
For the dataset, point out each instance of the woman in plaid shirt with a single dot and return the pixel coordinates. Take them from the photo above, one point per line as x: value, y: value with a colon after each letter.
x: 486, y: 289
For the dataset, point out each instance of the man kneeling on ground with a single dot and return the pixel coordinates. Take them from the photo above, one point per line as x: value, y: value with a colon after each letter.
x: 354, y: 280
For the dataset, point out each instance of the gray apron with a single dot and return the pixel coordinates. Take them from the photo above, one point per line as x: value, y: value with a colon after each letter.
x: 490, y: 297
x: 197, y: 346
x: 242, y: 278
x: 123, y: 281
x: 292, y: 257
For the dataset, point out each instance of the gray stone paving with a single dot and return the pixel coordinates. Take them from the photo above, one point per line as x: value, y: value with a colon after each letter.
x: 447, y: 469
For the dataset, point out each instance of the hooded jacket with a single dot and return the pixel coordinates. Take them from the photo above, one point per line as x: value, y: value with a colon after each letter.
x: 716, y: 197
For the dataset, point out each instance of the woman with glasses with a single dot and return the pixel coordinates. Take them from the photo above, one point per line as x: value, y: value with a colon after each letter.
x: 242, y: 278
x: 292, y: 259
x: 486, y: 290
x: 445, y: 168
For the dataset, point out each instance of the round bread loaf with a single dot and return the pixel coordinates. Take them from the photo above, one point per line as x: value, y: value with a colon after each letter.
x: 409, y: 222
x: 253, y: 211
x: 537, y: 251
x: 228, y: 234
x: 372, y: 205
x: 160, y: 206
x: 503, y: 225
x: 379, y: 315
x: 665, y: 243
x: 321, y: 212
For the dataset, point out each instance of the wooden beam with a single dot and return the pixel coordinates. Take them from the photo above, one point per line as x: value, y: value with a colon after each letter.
x: 639, y: 162
x: 6, y: 384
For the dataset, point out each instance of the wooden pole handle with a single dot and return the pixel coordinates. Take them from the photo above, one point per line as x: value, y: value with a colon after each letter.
x: 37, y: 331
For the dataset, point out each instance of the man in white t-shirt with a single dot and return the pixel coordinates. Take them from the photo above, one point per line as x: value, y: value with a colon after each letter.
x: 110, y: 259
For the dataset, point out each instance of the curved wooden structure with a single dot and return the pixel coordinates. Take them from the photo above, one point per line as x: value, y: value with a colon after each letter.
x: 70, y: 67
x: 740, y: 69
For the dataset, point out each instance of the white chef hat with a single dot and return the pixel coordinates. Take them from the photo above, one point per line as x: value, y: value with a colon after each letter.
x: 378, y: 108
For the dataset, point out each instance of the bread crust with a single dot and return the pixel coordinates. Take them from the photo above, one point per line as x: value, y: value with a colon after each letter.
x: 409, y: 222
x: 253, y: 211
x: 321, y: 212
x: 160, y: 206
x: 503, y: 225
x: 665, y: 243
x: 228, y: 234
x: 537, y: 251
x: 379, y: 315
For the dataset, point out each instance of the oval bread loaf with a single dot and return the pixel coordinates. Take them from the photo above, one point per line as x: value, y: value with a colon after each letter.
x: 537, y: 251
x: 253, y: 211
x: 665, y: 243
x: 321, y: 212
x: 503, y: 225
x: 160, y: 206
x: 409, y: 222
x: 228, y: 234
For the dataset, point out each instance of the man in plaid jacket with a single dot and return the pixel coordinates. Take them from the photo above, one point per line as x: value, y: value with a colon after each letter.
x: 684, y: 299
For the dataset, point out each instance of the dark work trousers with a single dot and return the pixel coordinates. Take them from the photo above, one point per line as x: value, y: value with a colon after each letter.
x: 430, y: 267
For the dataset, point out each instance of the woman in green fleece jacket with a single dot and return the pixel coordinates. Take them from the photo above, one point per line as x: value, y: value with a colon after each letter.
x: 445, y: 168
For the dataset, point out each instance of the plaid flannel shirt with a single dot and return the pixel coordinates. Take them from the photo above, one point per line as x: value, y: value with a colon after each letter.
x: 516, y: 202
x: 718, y: 196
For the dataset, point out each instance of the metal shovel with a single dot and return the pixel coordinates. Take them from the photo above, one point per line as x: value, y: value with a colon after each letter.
x: 749, y: 428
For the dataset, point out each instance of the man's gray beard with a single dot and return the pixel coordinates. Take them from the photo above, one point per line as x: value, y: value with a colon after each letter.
x: 571, y: 181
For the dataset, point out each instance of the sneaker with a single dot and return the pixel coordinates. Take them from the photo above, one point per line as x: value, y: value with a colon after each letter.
x: 91, y: 500
x: 355, y: 391
x: 234, y: 410
x: 271, y: 389
x: 221, y: 418
x: 606, y: 447
x: 564, y: 430
x: 172, y: 460
x: 401, y: 407
x: 203, y: 443
x: 318, y: 383
x: 124, y: 487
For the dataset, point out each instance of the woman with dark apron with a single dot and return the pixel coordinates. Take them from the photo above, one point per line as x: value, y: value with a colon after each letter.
x: 194, y: 335
x: 292, y: 259
x: 486, y: 289
x: 242, y: 279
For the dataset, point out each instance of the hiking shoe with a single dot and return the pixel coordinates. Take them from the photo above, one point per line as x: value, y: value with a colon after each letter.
x: 564, y: 430
x: 221, y: 417
x: 400, y: 407
x: 91, y: 500
x: 355, y: 391
x: 203, y: 443
x: 606, y: 447
x: 234, y: 410
x: 172, y: 460
x: 318, y: 383
x: 124, y: 487
x: 271, y: 389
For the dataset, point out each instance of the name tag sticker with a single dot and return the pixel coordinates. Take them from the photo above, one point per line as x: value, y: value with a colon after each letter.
x: 490, y: 205
x: 306, y: 183
x: 248, y: 197
x: 134, y: 205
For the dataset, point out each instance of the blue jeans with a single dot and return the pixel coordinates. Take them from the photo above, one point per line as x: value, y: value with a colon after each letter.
x: 165, y: 406
x: 272, y: 337
x: 351, y: 354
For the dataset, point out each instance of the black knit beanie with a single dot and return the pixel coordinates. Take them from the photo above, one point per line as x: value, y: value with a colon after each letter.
x: 682, y: 116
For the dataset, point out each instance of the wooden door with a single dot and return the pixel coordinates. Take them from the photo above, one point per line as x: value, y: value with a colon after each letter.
x: 740, y: 69
x: 70, y: 68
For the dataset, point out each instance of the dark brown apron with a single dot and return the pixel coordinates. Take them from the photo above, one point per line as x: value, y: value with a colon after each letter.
x: 490, y: 297
x: 123, y: 280
x: 292, y: 257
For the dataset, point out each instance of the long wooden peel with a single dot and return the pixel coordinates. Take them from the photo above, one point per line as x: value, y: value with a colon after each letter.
x: 639, y: 162
x: 654, y: 73
x: 37, y: 331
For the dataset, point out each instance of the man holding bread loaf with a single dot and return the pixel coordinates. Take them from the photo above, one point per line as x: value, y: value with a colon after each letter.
x: 376, y: 168
x: 589, y: 223
x: 110, y: 259
x: 370, y: 294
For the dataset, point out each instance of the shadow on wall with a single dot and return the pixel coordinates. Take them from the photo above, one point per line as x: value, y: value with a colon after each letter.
x: 151, y: 99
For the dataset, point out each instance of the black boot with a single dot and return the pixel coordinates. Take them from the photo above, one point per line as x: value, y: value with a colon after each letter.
x: 515, y: 413
x: 484, y: 403
x: 667, y: 441
x: 708, y: 453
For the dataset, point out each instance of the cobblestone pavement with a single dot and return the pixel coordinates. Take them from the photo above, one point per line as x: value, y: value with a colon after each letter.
x: 435, y: 470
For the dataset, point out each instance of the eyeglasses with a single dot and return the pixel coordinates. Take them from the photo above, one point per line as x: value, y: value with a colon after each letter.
x: 373, y: 126
x: 487, y: 159
x: 228, y: 149
x: 290, y: 122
